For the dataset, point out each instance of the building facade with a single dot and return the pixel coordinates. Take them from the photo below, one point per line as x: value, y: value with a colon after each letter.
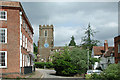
x: 45, y: 43
x: 46, y: 47
x: 105, y: 54
x: 117, y: 49
x: 16, y: 40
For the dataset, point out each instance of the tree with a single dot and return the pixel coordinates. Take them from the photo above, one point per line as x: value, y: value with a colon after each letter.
x: 87, y: 41
x: 72, y: 42
x: 112, y: 72
x: 92, y: 62
x: 35, y: 49
x: 62, y: 63
x: 79, y: 59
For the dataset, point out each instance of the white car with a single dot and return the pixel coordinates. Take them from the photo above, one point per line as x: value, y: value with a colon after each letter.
x: 93, y: 71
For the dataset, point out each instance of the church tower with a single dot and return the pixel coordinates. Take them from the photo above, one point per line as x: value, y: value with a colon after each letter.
x: 45, y: 43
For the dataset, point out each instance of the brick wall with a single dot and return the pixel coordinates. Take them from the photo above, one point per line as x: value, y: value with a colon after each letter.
x: 45, y: 52
x: 13, y: 41
x: 116, y: 42
x: 13, y: 38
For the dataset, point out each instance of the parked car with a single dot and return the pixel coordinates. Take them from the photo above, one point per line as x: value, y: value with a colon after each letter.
x: 93, y: 71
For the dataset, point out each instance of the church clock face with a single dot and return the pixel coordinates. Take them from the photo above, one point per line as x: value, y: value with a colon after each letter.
x: 46, y: 45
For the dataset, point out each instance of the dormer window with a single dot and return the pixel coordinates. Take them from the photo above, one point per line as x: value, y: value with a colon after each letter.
x: 3, y: 15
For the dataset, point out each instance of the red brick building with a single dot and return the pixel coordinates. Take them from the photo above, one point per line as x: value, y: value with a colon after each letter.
x: 117, y: 49
x: 16, y: 40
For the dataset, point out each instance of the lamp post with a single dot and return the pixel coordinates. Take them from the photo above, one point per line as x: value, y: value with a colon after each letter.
x: 45, y: 62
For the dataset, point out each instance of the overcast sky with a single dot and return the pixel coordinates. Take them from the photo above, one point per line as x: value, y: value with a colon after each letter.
x: 72, y: 18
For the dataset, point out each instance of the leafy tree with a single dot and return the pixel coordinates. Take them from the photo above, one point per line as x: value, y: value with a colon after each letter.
x: 62, y: 63
x: 35, y: 49
x: 87, y: 41
x: 92, y: 61
x: 72, y: 42
x: 79, y: 59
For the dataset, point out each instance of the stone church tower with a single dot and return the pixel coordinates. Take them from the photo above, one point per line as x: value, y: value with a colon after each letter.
x: 45, y: 43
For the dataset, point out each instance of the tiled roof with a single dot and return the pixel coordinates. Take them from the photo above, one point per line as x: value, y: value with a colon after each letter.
x: 108, y: 53
x: 99, y: 50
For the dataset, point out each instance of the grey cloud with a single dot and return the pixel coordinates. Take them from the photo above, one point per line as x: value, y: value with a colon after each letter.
x: 72, y: 18
x: 45, y: 11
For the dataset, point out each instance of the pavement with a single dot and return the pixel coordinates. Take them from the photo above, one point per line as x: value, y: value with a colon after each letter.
x: 48, y: 74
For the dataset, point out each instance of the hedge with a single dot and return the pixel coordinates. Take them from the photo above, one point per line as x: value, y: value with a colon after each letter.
x: 42, y: 64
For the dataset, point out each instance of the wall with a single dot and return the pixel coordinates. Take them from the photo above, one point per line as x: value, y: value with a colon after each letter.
x: 117, y: 55
x: 13, y: 41
x: 44, y: 53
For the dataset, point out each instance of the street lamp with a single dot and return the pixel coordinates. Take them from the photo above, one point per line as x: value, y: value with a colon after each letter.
x: 45, y: 62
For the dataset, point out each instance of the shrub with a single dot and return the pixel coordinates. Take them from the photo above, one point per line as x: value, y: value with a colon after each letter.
x: 112, y: 72
x: 79, y: 59
x: 87, y: 76
x: 49, y: 65
x: 62, y: 63
x: 64, y: 68
x: 96, y: 76
x: 42, y: 64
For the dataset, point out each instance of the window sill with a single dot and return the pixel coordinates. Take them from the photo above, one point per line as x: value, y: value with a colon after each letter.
x: 3, y: 66
x: 3, y: 43
x: 3, y: 19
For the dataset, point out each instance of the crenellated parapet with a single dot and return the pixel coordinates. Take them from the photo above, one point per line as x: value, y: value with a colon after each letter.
x: 45, y: 26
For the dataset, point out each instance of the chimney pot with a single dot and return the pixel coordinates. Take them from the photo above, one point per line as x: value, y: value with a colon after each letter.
x: 106, y: 46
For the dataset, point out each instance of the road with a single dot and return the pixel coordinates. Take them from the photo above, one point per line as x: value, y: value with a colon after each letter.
x: 50, y: 75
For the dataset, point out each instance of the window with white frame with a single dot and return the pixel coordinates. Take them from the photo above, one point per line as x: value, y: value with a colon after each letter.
x: 118, y: 48
x: 26, y: 43
x: 28, y: 31
x: 3, y: 35
x: 3, y: 15
x: 25, y: 56
x: 26, y: 27
x: 23, y: 23
x: 23, y: 40
x: 28, y: 58
x: 23, y: 60
x: 3, y: 59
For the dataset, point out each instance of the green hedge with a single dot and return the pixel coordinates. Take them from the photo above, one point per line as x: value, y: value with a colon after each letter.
x: 42, y: 64
x: 87, y: 76
x: 112, y: 72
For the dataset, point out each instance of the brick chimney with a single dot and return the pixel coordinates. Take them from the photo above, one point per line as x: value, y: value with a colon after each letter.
x: 106, y: 46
